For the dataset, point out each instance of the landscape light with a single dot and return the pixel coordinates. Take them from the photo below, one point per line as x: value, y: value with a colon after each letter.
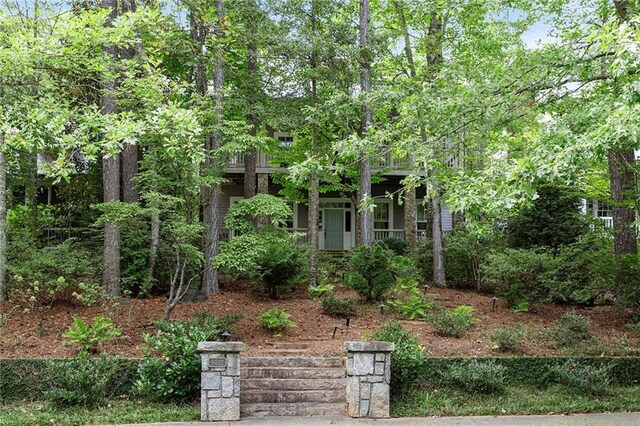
x: 336, y: 326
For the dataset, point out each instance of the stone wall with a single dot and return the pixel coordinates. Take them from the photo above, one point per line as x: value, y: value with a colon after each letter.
x: 220, y: 380
x: 368, y: 377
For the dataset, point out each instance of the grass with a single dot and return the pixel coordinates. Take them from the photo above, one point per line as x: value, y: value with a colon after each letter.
x: 516, y: 400
x: 117, y: 412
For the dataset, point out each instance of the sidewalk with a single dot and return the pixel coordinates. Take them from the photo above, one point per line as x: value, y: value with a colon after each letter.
x: 600, y: 419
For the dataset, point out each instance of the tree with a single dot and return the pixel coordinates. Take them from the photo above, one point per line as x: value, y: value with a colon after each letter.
x: 3, y: 219
x: 364, y: 191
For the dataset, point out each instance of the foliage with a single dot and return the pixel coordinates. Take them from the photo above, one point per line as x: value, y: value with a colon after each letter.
x: 477, y: 376
x: 276, y: 320
x: 369, y: 271
x: 276, y: 209
x: 553, y: 220
x: 278, y: 265
x: 407, y: 299
x: 506, y: 339
x: 407, y: 359
x: 635, y: 326
x: 339, y: 306
x: 319, y: 291
x: 91, y: 336
x: 82, y: 381
x: 396, y: 245
x: 587, y: 379
x: 171, y: 365
x: 570, y: 329
x: 404, y: 267
x: 454, y: 322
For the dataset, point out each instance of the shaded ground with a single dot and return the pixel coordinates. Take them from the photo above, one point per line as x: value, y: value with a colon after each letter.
x: 39, y: 333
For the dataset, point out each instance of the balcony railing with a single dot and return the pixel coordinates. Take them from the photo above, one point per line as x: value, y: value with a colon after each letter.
x: 237, y: 161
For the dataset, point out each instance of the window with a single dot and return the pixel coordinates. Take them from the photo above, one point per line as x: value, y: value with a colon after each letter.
x: 285, y: 140
x: 381, y: 216
x: 422, y: 218
x: 603, y: 210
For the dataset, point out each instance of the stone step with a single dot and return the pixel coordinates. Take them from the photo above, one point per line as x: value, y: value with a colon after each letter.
x: 268, y: 409
x: 293, y: 384
x: 291, y: 373
x: 292, y: 362
x: 325, y: 396
x: 289, y: 345
x: 282, y: 352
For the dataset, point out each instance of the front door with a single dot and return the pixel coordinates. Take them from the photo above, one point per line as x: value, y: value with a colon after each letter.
x: 333, y: 226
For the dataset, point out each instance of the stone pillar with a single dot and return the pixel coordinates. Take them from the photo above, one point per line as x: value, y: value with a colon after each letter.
x: 220, y: 380
x: 368, y: 377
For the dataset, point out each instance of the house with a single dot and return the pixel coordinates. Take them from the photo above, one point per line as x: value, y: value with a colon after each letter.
x: 337, y: 211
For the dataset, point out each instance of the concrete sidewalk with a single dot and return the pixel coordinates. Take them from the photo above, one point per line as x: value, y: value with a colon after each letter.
x: 600, y: 419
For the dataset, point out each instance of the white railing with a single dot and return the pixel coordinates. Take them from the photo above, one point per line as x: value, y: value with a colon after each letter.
x: 608, y: 221
x: 381, y: 234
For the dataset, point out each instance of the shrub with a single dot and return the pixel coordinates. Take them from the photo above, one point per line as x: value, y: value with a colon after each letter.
x: 405, y: 267
x: 570, y: 329
x: 320, y: 291
x: 81, y: 381
x: 454, y: 322
x: 635, y: 326
x: 519, y: 275
x: 90, y: 336
x: 407, y: 299
x: 276, y: 320
x: 506, y: 339
x: 171, y: 366
x: 369, y: 271
x: 407, y: 360
x: 588, y: 379
x: 278, y: 265
x: 475, y: 376
x: 339, y: 306
x: 396, y: 245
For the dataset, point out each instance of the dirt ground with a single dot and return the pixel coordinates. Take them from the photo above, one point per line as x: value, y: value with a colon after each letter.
x: 39, y: 333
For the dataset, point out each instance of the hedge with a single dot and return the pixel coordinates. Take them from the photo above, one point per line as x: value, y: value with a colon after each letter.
x: 26, y: 379
x: 535, y: 371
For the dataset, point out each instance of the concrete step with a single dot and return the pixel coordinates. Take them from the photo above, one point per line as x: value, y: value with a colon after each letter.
x: 259, y: 396
x: 293, y: 384
x: 289, y: 345
x: 264, y: 361
x: 291, y: 373
x: 282, y: 352
x: 293, y: 409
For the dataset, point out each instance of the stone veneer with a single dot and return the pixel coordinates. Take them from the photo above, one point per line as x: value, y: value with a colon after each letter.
x: 368, y: 376
x: 220, y: 380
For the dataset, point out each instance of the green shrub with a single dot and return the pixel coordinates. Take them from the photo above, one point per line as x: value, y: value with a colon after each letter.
x: 171, y: 367
x: 81, y: 381
x: 339, y: 306
x: 404, y: 267
x: 407, y: 360
x: 276, y: 320
x: 454, y: 322
x: 407, y: 300
x: 90, y: 336
x: 278, y: 265
x: 319, y: 291
x: 518, y: 275
x: 422, y: 254
x: 369, y: 271
x: 477, y: 376
x: 634, y: 326
x: 506, y: 339
x: 588, y: 379
x: 570, y: 329
x: 396, y: 245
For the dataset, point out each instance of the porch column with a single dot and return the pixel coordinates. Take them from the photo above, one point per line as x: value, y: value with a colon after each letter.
x: 368, y: 377
x: 410, y: 212
x: 220, y: 380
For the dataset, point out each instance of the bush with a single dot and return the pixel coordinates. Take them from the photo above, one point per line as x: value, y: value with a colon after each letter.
x: 588, y: 379
x: 570, y: 329
x: 369, y: 271
x: 278, y: 265
x: 407, y: 360
x: 405, y: 267
x: 276, y: 320
x: 319, y: 291
x: 475, y: 376
x: 454, y: 322
x: 407, y: 299
x: 519, y: 275
x: 81, y: 381
x: 171, y: 367
x: 396, y: 245
x: 506, y: 339
x: 90, y: 336
x: 339, y: 306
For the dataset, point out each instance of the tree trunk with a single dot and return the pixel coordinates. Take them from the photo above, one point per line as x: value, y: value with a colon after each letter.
x: 622, y: 182
x: 410, y: 211
x: 155, y: 241
x: 314, y: 194
x: 263, y: 188
x: 438, y: 249
x: 3, y: 221
x: 252, y: 92
x: 111, y: 178
x: 366, y: 216
x: 130, y: 151
x: 212, y: 213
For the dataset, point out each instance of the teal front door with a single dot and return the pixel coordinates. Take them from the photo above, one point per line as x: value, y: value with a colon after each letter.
x: 333, y: 226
